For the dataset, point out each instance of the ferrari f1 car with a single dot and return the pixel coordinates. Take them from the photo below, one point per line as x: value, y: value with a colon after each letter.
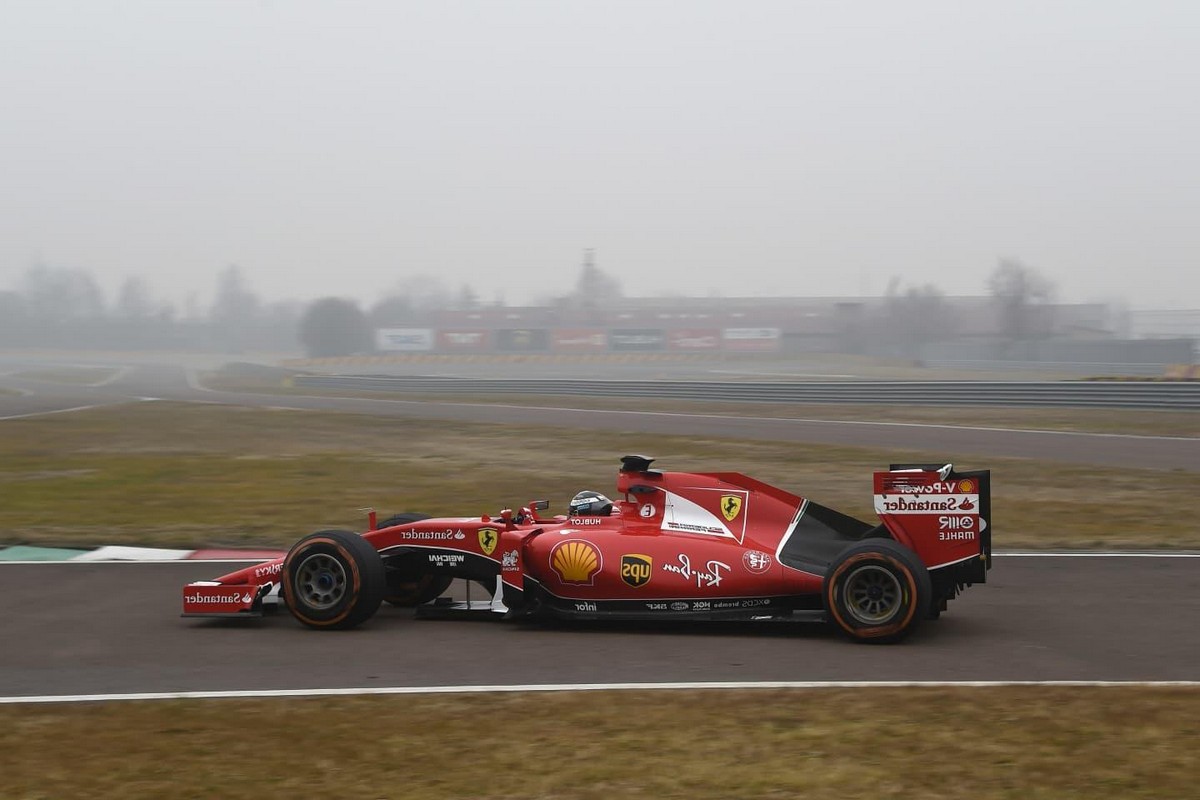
x: 686, y: 545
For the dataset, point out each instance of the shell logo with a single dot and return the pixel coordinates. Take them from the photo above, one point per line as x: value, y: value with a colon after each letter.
x: 576, y: 561
x: 966, y: 486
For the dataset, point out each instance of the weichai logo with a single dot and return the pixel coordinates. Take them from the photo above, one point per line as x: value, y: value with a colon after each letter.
x: 636, y: 569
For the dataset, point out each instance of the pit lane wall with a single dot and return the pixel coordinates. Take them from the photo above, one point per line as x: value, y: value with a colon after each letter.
x: 577, y: 340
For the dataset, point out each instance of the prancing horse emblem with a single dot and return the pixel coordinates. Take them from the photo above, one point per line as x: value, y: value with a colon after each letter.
x: 488, y: 540
x: 731, y: 504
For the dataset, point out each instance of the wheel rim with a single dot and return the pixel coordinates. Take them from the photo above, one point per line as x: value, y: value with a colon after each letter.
x: 873, y: 594
x: 321, y: 581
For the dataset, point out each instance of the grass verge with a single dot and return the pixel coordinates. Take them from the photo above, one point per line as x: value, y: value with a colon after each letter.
x: 1113, y: 742
x: 76, y: 375
x: 193, y: 475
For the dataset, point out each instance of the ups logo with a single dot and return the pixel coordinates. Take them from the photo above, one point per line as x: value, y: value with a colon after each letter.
x: 636, y: 569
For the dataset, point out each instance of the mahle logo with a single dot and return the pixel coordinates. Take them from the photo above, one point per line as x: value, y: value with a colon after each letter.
x: 731, y: 504
x: 636, y: 569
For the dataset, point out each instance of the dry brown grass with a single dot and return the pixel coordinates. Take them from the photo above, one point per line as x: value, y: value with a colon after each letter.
x: 195, y: 475
x: 76, y: 375
x: 1018, y: 742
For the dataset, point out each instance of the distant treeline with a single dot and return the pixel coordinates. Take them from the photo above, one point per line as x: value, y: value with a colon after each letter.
x: 64, y: 308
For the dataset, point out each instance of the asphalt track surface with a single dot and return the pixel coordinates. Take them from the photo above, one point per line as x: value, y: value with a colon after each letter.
x: 951, y: 443
x: 89, y: 628
x: 112, y: 628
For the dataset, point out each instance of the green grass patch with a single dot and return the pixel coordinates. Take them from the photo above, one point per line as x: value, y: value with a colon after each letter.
x: 194, y: 475
x: 1018, y: 742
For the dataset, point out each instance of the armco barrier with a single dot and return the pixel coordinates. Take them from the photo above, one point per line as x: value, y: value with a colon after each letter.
x: 1096, y: 394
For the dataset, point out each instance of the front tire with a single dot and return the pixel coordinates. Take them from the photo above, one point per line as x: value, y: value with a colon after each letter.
x: 333, y: 580
x: 877, y: 591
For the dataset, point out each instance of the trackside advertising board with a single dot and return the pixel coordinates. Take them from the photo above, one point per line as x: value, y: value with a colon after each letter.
x: 579, y: 340
x: 627, y: 340
x: 405, y: 340
x: 694, y: 340
x: 751, y: 339
x: 522, y: 340
x: 462, y: 340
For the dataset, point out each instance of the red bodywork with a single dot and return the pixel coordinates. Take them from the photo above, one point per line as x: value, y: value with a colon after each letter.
x: 694, y: 543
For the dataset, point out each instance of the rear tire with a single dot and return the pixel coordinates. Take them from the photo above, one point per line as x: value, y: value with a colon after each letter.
x: 333, y: 580
x: 408, y: 583
x: 877, y: 591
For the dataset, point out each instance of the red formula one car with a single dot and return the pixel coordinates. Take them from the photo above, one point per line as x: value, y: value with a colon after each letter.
x: 686, y: 545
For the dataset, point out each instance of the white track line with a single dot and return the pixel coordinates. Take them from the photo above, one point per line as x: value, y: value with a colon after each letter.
x: 764, y: 419
x: 60, y: 411
x: 118, y: 373
x: 366, y: 400
x: 193, y: 381
x: 578, y: 687
x: 114, y: 402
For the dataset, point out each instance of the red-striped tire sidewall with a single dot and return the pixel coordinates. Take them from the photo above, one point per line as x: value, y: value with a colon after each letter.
x: 326, y: 545
x: 834, y: 589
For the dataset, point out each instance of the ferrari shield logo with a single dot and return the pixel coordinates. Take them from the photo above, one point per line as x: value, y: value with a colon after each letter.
x: 731, y: 504
x: 488, y: 539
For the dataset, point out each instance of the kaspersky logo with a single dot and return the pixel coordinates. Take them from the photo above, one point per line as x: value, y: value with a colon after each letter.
x: 731, y: 504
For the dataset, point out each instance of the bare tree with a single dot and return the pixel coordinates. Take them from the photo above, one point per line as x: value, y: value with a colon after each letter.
x: 916, y: 316
x: 467, y: 300
x: 595, y: 286
x: 391, y: 310
x: 234, y: 302
x: 54, y: 294
x: 133, y: 299
x: 1021, y: 296
x: 235, y: 311
x: 14, y: 318
x: 332, y: 326
x: 424, y: 292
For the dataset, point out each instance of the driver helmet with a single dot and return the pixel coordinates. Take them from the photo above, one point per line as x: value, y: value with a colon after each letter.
x: 590, y: 504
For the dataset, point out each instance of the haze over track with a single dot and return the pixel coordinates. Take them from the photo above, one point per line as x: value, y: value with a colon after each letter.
x: 148, y: 381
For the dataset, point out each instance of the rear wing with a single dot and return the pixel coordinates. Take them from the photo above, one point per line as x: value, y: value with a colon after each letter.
x: 943, y: 514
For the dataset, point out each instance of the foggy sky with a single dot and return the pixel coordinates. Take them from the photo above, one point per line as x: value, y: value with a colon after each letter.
x: 741, y: 148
